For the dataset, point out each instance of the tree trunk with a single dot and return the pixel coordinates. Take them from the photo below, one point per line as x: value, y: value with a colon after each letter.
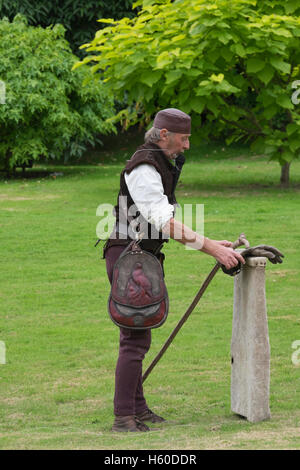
x: 285, y: 175
x: 6, y: 163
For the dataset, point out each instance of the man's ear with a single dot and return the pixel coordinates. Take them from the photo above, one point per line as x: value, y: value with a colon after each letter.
x: 163, y: 134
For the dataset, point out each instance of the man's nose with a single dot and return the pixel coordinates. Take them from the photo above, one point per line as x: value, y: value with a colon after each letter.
x: 186, y: 145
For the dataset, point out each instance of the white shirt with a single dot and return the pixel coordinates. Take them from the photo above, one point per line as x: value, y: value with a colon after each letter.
x: 145, y: 186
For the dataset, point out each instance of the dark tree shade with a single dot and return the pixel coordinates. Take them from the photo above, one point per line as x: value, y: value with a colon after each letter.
x: 79, y: 17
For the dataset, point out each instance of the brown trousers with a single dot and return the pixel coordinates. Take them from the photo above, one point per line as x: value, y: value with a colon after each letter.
x: 134, y: 344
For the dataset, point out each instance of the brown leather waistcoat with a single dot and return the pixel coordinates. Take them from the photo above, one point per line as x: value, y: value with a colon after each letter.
x: 153, y: 155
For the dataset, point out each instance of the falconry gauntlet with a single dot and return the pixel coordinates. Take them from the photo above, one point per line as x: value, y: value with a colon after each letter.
x: 267, y: 251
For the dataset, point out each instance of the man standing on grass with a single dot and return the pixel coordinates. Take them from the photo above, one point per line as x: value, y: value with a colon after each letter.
x: 148, y: 184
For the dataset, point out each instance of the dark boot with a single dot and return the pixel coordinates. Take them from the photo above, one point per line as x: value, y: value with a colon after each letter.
x: 129, y: 423
x: 148, y: 415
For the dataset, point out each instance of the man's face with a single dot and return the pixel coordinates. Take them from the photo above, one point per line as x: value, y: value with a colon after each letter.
x: 175, y: 144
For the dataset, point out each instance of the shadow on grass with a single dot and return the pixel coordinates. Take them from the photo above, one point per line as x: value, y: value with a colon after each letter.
x: 47, y: 171
x: 29, y: 174
x: 233, y: 188
x: 245, y: 185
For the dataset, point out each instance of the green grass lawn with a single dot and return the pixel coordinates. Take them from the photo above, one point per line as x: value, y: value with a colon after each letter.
x: 56, y: 388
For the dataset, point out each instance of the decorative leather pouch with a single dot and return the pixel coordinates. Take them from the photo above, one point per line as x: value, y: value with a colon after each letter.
x: 138, y: 297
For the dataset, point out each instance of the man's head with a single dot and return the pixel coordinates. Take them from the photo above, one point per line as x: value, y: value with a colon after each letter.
x: 171, y: 131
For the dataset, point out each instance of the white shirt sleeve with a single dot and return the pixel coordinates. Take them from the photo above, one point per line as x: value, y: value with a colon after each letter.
x: 145, y: 186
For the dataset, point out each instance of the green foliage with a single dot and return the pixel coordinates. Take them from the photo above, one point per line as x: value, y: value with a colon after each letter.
x: 289, y: 7
x: 47, y: 112
x: 79, y: 17
x: 230, y: 64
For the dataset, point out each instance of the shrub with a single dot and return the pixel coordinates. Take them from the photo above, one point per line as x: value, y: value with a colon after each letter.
x: 47, y: 112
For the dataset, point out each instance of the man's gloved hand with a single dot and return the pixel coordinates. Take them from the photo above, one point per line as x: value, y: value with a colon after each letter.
x: 269, y: 252
x: 232, y: 271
